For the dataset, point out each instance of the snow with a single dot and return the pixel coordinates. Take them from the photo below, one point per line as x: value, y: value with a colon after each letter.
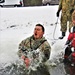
x: 17, y: 24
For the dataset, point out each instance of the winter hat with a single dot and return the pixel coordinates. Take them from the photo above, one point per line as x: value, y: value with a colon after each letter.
x: 73, y: 29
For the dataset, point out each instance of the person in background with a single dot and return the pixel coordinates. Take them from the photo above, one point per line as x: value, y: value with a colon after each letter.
x: 71, y: 38
x: 65, y: 6
x: 34, y: 42
x: 70, y: 44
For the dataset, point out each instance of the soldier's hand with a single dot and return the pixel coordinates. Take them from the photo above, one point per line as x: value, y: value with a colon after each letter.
x: 57, y: 14
x: 27, y: 62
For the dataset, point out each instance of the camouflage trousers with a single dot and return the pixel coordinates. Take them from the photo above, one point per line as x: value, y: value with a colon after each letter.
x: 65, y: 22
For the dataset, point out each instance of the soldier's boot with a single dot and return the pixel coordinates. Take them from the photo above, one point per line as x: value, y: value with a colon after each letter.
x: 63, y: 35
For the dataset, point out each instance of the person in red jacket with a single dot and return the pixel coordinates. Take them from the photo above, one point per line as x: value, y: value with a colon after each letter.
x: 70, y: 49
x: 71, y: 38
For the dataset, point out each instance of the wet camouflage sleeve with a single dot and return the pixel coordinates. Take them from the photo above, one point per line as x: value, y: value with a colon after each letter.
x: 46, y: 50
x: 21, y: 48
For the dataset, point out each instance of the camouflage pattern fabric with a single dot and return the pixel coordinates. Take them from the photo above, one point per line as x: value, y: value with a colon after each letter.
x: 66, y: 6
x: 73, y: 18
x: 73, y: 15
x: 29, y: 45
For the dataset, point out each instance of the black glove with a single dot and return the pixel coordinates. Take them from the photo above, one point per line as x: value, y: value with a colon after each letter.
x: 71, y: 11
x: 57, y: 13
x: 67, y: 42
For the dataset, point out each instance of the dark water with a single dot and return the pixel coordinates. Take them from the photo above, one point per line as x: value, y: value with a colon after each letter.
x: 58, y: 69
x: 55, y: 67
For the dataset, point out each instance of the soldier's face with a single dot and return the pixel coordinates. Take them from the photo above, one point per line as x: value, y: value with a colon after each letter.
x: 38, y: 33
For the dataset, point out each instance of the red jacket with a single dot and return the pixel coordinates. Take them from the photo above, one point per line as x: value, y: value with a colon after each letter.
x: 71, y: 38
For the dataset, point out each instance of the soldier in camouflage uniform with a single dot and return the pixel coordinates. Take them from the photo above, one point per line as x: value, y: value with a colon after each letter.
x: 65, y: 6
x: 72, y: 17
x: 36, y: 41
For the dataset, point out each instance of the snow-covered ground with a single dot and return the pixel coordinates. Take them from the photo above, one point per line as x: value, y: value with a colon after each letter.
x: 17, y: 24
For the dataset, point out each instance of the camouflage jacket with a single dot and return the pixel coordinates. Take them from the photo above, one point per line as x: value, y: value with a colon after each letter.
x: 73, y: 15
x: 31, y: 44
x: 66, y: 5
